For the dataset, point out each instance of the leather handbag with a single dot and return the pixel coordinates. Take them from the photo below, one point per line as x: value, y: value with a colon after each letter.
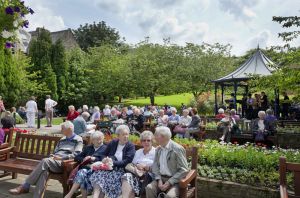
x: 132, y: 168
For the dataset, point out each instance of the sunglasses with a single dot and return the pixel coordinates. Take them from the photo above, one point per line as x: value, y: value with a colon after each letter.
x: 146, y: 140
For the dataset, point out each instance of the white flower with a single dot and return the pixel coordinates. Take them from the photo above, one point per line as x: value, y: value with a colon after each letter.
x: 5, y: 34
x: 16, y: 23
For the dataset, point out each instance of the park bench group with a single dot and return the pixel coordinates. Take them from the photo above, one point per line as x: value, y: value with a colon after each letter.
x: 22, y: 153
x: 29, y: 149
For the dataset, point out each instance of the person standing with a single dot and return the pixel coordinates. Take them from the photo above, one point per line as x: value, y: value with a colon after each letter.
x: 264, y: 101
x: 49, y: 104
x: 31, y: 110
x: 285, y: 106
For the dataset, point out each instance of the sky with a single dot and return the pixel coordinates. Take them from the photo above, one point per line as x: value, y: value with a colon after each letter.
x: 242, y: 23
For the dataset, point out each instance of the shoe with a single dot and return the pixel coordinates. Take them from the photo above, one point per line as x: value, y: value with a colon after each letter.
x: 19, y: 190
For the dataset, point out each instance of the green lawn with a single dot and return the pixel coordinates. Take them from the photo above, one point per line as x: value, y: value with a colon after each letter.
x: 173, y: 100
x: 55, y: 121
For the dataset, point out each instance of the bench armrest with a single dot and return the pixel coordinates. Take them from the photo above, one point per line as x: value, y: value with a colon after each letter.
x: 69, y: 165
x: 192, y: 174
x: 283, y: 192
x: 4, y: 145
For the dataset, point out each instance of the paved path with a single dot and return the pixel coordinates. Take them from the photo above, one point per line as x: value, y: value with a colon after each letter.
x: 43, y: 130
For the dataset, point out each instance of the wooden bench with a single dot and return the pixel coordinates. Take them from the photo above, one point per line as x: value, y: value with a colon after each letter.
x: 288, y: 123
x: 28, y: 150
x: 187, y: 185
x: 283, y: 168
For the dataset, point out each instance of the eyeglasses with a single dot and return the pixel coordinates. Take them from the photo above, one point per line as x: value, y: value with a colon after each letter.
x: 146, y: 140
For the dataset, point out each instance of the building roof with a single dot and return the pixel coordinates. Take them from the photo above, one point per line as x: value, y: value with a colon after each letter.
x: 257, y: 64
x: 66, y: 36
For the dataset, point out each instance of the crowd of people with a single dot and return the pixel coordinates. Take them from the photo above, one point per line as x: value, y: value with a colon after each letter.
x: 115, y: 169
x: 184, y: 125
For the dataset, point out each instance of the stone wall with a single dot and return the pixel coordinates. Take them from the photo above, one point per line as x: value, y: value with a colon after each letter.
x: 211, y: 188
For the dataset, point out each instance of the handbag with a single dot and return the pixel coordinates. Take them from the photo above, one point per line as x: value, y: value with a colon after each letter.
x: 75, y: 170
x: 131, y: 168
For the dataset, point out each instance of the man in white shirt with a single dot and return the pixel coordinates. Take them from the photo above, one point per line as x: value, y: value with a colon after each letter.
x: 31, y: 110
x: 49, y: 104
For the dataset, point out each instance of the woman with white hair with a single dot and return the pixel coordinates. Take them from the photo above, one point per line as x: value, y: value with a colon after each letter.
x: 221, y: 114
x: 96, y: 114
x: 85, y: 108
x: 143, y: 160
x: 184, y: 122
x: 31, y: 111
x: 138, y: 119
x: 261, y: 127
x: 90, y: 154
x: 121, y: 151
x: 72, y: 114
x: 174, y: 118
x: 163, y: 119
x: 113, y: 114
x: 106, y: 111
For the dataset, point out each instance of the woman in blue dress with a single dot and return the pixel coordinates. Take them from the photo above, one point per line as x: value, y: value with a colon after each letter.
x: 121, y: 151
x: 91, y: 153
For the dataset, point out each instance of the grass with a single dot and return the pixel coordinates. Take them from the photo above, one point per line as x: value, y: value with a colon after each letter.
x: 173, y: 100
x: 55, y: 121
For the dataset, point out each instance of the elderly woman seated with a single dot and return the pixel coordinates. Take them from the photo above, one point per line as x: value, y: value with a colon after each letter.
x: 262, y: 128
x: 138, y: 119
x: 143, y: 160
x: 7, y: 121
x: 169, y: 167
x: 184, y: 122
x: 225, y: 126
x: 174, y: 118
x: 221, y: 114
x: 96, y: 116
x: 90, y: 154
x: 234, y: 115
x: 121, y: 152
x: 194, y: 126
x: 113, y: 114
x: 163, y: 119
x: 72, y: 114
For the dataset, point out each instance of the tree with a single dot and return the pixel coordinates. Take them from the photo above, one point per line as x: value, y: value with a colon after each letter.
x: 109, y: 73
x: 154, y: 70
x: 288, y: 22
x: 40, y: 51
x: 95, y: 35
x: 77, y: 85
x: 204, y: 63
x: 60, y: 67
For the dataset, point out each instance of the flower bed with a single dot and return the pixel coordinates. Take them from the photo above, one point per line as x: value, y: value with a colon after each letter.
x: 245, y: 164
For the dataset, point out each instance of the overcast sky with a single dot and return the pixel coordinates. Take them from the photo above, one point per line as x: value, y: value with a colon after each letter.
x: 242, y: 23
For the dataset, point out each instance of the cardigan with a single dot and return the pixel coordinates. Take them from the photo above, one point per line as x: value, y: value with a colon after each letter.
x: 128, y: 153
x: 90, y: 151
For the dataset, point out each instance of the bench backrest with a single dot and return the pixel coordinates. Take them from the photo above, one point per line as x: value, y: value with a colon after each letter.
x: 8, y: 137
x: 288, y: 123
x: 293, y: 167
x: 193, y: 154
x: 34, y: 146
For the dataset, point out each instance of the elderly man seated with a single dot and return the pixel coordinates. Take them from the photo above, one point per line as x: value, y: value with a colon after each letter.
x: 67, y: 148
x: 80, y: 125
x: 170, y: 165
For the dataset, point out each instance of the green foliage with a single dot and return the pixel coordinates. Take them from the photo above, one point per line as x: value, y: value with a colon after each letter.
x: 95, y: 35
x: 247, y: 164
x: 60, y: 67
x: 77, y: 85
x: 40, y: 51
x: 288, y: 22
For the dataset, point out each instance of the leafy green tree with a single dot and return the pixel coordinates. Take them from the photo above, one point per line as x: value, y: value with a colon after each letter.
x: 60, y: 67
x: 288, y: 22
x: 109, y: 73
x: 77, y: 85
x: 204, y: 63
x: 95, y: 35
x: 40, y: 51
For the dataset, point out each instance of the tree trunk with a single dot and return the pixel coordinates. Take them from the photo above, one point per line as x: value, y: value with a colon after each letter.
x: 152, y: 99
x: 120, y: 99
